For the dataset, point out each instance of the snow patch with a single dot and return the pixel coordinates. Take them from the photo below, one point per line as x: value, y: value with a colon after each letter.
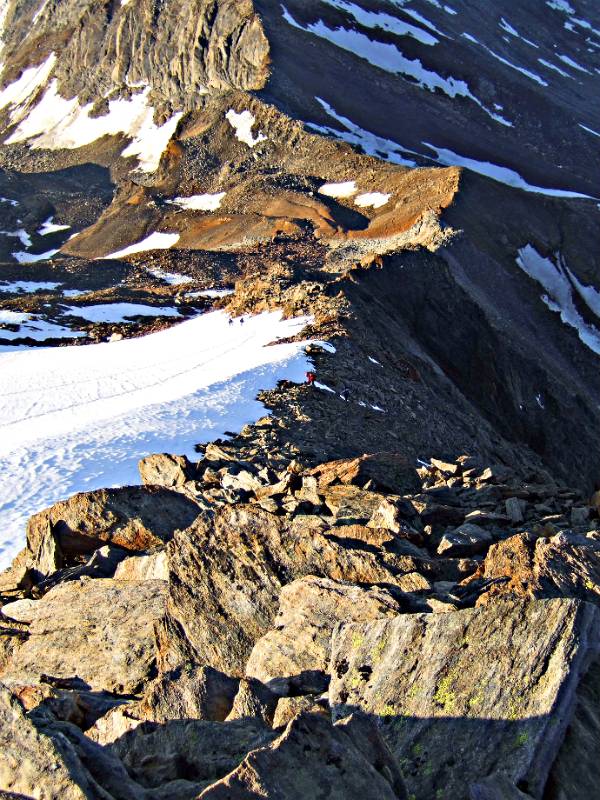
x: 199, y: 202
x: 500, y: 174
x: 80, y: 418
x: 342, y: 189
x: 156, y: 241
x: 18, y: 92
x: 242, y: 124
x: 371, y: 19
x: 118, y: 312
x: 56, y: 123
x: 28, y: 287
x: 371, y: 199
x: 553, y: 275
x: 49, y: 227
x: 32, y: 258
x: 371, y: 144
x: 389, y: 58
x: 172, y: 278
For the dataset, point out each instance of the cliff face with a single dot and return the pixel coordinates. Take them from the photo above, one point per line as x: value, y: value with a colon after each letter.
x: 181, y: 50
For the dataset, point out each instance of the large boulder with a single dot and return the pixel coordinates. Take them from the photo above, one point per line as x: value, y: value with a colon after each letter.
x: 386, y: 471
x: 564, y: 565
x: 196, y: 750
x: 313, y: 758
x: 465, y: 695
x: 99, y: 630
x: 51, y: 762
x: 133, y: 517
x: 226, y: 576
x: 164, y: 469
x: 189, y: 692
x: 309, y: 609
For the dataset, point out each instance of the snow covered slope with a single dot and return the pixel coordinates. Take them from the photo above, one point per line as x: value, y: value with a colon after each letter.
x: 79, y: 418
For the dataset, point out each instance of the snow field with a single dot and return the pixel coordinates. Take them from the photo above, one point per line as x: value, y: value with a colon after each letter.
x: 79, y: 418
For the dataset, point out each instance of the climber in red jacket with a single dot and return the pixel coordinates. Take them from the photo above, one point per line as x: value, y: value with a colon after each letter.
x: 310, y: 378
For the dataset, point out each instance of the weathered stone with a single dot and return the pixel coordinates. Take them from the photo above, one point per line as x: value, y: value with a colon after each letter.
x: 515, y: 508
x: 309, y: 609
x: 563, y: 565
x: 254, y: 700
x: 497, y: 787
x: 189, y: 692
x: 100, y: 630
x: 154, y: 754
x: 145, y: 567
x: 313, y: 758
x: 350, y: 504
x: 580, y: 515
x: 290, y: 707
x: 226, y: 575
x: 134, y: 518
x: 241, y: 481
x: 20, y: 610
x: 464, y: 695
x: 45, y: 761
x: 386, y: 516
x: 388, y: 472
x: 467, y: 540
x: 163, y: 469
x: 115, y: 724
x: 444, y: 466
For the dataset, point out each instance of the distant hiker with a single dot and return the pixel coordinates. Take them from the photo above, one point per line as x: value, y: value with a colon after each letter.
x: 230, y: 321
x: 345, y: 394
x: 310, y: 378
x: 241, y: 320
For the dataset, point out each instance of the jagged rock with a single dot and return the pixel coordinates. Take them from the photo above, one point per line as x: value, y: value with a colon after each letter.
x: 115, y: 724
x: 580, y: 515
x: 564, y: 565
x: 47, y: 761
x: 100, y: 630
x: 290, y: 707
x: 515, y: 508
x: 350, y: 504
x: 199, y: 750
x: 226, y: 575
x: 468, y: 694
x: 145, y: 567
x: 445, y: 467
x: 189, y: 692
x: 134, y: 518
x: 242, y: 481
x: 387, y: 516
x: 497, y: 787
x: 309, y: 609
x: 20, y: 610
x: 313, y: 758
x: 254, y: 699
x: 101, y: 564
x: 388, y: 471
x: 467, y: 540
x: 163, y: 469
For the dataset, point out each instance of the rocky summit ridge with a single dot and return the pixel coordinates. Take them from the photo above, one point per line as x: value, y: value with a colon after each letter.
x: 388, y: 585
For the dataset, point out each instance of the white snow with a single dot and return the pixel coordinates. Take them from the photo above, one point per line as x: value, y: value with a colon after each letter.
x: 571, y: 63
x: 56, y: 123
x: 31, y: 258
x: 79, y: 418
x: 324, y: 345
x: 51, y: 227
x: 509, y: 29
x: 553, y: 275
x: 561, y: 5
x: 74, y: 292
x: 33, y: 328
x: 371, y: 19
x: 8, y: 200
x: 211, y: 293
x: 341, y: 189
x: 371, y: 199
x: 18, y: 92
x: 155, y: 241
x: 589, y: 130
x: 554, y: 67
x: 372, y: 145
x: 172, y: 278
x: 28, y: 286
x: 531, y: 75
x: 501, y: 174
x: 118, y: 312
x: 21, y: 234
x: 199, y: 202
x: 389, y: 58
x: 324, y: 387
x: 374, y: 361
x: 242, y: 124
